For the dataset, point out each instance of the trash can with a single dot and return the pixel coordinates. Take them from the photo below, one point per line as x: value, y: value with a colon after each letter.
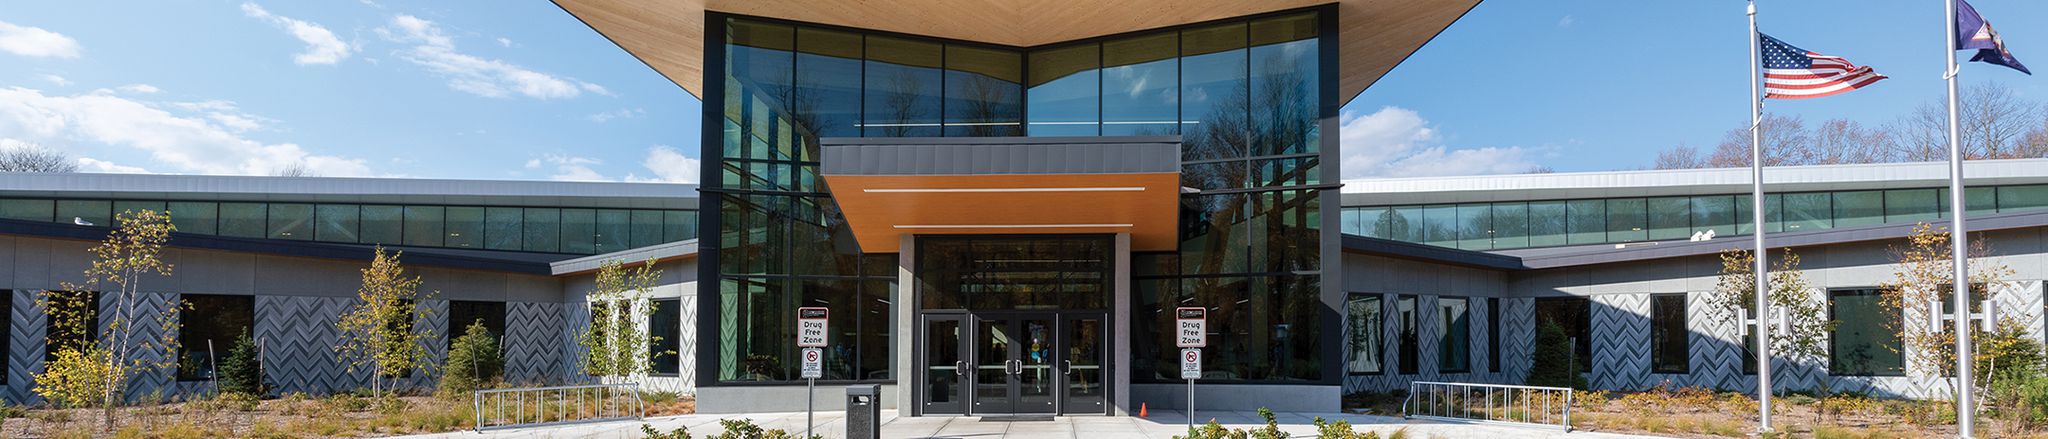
x: 864, y: 411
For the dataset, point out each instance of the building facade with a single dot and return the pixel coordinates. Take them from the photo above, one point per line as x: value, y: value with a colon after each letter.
x: 1000, y: 217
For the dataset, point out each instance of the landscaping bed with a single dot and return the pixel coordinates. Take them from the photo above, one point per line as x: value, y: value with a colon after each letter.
x: 292, y: 416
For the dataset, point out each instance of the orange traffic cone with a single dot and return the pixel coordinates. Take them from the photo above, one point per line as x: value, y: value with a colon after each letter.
x: 1142, y: 411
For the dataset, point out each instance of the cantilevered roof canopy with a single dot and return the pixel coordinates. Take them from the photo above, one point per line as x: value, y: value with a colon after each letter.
x: 891, y: 187
x: 1374, y: 35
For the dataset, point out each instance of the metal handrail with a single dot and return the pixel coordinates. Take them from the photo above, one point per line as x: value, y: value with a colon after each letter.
x: 1504, y: 404
x: 571, y: 405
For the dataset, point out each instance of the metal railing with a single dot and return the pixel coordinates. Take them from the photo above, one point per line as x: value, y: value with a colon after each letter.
x: 1489, y: 404
x: 538, y: 406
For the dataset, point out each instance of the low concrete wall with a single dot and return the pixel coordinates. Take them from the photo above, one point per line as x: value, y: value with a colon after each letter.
x: 757, y: 399
x: 1240, y: 397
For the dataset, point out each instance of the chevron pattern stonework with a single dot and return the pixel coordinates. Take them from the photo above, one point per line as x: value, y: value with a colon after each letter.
x: 1621, y: 334
x: 25, y: 332
x: 297, y: 336
x: 533, y: 343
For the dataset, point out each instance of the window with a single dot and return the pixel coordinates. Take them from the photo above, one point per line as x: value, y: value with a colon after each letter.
x: 1573, y: 314
x: 1410, y: 346
x: 465, y: 227
x: 2022, y: 198
x: 1669, y: 338
x: 1670, y: 218
x: 1510, y: 225
x: 1914, y: 205
x: 337, y: 222
x: 984, y: 91
x: 29, y: 210
x: 423, y: 226
x: 1587, y: 222
x: 291, y: 221
x: 194, y: 217
x: 462, y: 313
x: 95, y: 212
x: 503, y: 228
x: 242, y: 220
x: 1860, y: 344
x: 1454, y: 332
x: 66, y: 332
x: 1212, y: 83
x: 544, y: 229
x: 1493, y: 335
x: 1547, y: 222
x: 1404, y: 224
x: 1363, y: 341
x: 664, y: 333
x: 1140, y: 95
x: 1860, y: 208
x: 614, y: 227
x: 1475, y: 227
x: 902, y: 89
x: 1440, y: 225
x: 1626, y: 220
x: 383, y: 225
x: 1716, y: 213
x: 646, y: 228
x: 209, y: 326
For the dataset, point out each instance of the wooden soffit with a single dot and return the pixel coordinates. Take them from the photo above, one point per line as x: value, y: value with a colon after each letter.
x: 881, y: 209
x: 1374, y: 35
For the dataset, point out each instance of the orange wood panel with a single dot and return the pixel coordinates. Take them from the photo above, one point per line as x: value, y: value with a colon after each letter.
x: 1153, y: 212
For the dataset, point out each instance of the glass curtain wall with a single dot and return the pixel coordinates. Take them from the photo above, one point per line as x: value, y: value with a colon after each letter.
x: 535, y: 229
x: 1519, y: 224
x: 1247, y: 95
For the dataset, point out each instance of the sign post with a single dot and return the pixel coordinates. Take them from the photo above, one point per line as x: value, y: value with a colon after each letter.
x: 812, y: 336
x: 1191, y: 334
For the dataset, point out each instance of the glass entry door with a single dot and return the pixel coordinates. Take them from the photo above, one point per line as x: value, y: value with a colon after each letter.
x: 945, y: 365
x: 1013, y: 371
x: 1084, y: 357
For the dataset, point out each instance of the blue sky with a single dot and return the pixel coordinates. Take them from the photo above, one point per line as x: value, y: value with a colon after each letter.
x: 522, y: 90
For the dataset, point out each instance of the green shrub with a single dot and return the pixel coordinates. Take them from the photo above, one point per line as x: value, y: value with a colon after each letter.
x: 1551, y: 365
x: 1212, y: 430
x: 678, y: 433
x: 242, y: 370
x: 745, y: 429
x: 1340, y: 430
x: 473, y: 362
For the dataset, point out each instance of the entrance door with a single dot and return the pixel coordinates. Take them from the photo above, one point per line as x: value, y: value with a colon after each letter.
x: 1013, y: 371
x: 945, y: 366
x: 1084, y: 379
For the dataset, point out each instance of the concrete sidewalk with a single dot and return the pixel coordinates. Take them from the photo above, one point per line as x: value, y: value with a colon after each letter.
x: 1162, y: 423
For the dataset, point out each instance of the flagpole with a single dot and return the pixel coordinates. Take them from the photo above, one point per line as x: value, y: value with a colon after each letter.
x: 1966, y: 408
x: 1756, y: 198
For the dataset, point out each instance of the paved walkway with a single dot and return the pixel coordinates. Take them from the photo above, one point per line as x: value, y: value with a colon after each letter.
x: 1162, y: 423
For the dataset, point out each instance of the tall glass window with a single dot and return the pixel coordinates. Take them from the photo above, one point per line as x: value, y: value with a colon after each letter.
x: 1587, y: 221
x: 1284, y: 81
x: 194, y: 216
x: 1861, y: 208
x: 578, y: 231
x: 1510, y: 225
x: 242, y: 220
x: 1626, y: 220
x: 504, y: 228
x: 1441, y: 225
x: 291, y: 221
x: 1715, y: 213
x: 1362, y: 334
x: 1215, y: 91
x: 1670, y: 218
x: 337, y: 222
x: 902, y: 88
x: 1405, y: 223
x: 1065, y: 95
x: 423, y: 226
x: 1475, y: 227
x: 1807, y: 212
x: 1140, y: 94
x: 646, y: 228
x: 383, y: 225
x: 465, y: 227
x: 664, y: 334
x: 1454, y: 328
x: 543, y: 230
x: 1409, y: 344
x: 209, y: 326
x: 95, y: 212
x: 1861, y: 344
x: 1547, y: 223
x: 614, y: 227
x: 984, y: 92
x: 1669, y: 338
x: 828, y: 82
x: 1574, y: 316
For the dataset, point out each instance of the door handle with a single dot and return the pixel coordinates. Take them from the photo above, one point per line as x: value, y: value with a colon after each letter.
x: 958, y: 370
x: 1016, y: 366
x: 1069, y: 369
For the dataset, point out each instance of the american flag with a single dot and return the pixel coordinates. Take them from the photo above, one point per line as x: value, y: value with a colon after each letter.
x: 1794, y: 73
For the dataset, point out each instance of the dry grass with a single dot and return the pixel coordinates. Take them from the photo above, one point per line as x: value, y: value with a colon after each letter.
x: 291, y: 416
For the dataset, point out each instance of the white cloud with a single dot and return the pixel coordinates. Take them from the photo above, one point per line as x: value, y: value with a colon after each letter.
x: 568, y: 168
x: 182, y: 137
x: 622, y: 113
x: 141, y: 89
x: 669, y: 166
x: 322, y: 47
x: 36, y: 42
x: 89, y: 164
x: 54, y: 79
x: 1567, y: 21
x: 506, y: 42
x: 1398, y: 142
x: 433, y: 49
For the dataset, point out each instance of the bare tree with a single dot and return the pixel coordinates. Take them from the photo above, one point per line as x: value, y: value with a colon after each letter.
x: 295, y: 170
x: 1994, y: 124
x: 1840, y: 141
x: 35, y: 158
x: 1681, y: 157
x: 1785, y: 142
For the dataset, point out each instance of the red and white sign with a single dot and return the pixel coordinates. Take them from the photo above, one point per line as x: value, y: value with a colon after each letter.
x: 810, y: 327
x: 1193, y: 327
x: 814, y: 363
x: 1191, y: 363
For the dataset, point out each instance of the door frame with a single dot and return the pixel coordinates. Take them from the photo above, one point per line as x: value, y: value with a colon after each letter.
x: 970, y: 328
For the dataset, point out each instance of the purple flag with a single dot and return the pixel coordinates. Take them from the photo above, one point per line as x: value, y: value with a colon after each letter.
x: 1972, y: 32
